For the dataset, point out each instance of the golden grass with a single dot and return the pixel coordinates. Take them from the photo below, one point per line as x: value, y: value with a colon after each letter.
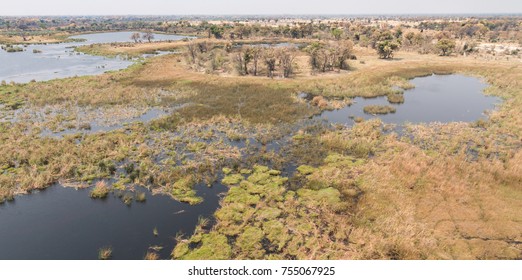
x: 35, y: 39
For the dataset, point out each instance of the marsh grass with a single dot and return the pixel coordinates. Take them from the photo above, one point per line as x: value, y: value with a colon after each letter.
x: 100, y: 190
x: 379, y: 110
x: 151, y: 256
x: 140, y: 197
x: 105, y: 253
x: 395, y: 98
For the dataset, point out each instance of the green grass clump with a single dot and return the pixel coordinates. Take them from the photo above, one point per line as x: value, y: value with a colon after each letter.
x: 245, y: 171
x: 249, y: 243
x: 268, y: 213
x: 274, y: 172
x: 226, y: 170
x: 242, y: 196
x: 379, y: 109
x: 214, y: 246
x: 339, y: 160
x: 183, y: 191
x: 329, y: 196
x: 232, y: 179
x: 305, y: 169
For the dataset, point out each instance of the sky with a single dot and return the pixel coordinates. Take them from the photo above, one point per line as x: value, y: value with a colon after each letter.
x: 243, y: 7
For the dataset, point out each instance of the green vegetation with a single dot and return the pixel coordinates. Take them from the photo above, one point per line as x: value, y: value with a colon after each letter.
x: 182, y: 190
x: 386, y: 44
x: 446, y: 46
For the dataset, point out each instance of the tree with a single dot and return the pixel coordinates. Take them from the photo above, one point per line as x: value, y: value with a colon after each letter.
x: 386, y: 48
x: 247, y: 57
x: 316, y: 51
x: 217, y: 31
x: 136, y: 37
x: 386, y: 44
x: 149, y: 36
x: 270, y: 60
x: 446, y: 46
x: 409, y: 36
x: 342, y: 51
x: 192, y: 50
x: 337, y: 33
x: 286, y: 61
x: 256, y: 55
x: 326, y: 57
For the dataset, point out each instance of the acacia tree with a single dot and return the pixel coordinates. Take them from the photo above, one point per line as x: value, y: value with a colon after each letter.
x: 386, y: 44
x: 149, y: 36
x: 386, y: 48
x: 136, y: 37
x: 446, y: 46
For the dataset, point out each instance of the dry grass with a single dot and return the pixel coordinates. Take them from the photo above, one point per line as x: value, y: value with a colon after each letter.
x: 35, y: 39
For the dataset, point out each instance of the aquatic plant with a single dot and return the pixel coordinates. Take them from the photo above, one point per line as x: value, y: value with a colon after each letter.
x: 379, y: 109
x: 105, y: 253
x: 396, y: 98
x: 100, y: 190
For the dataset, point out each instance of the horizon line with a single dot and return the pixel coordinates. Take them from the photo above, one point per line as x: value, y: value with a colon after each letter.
x: 274, y: 14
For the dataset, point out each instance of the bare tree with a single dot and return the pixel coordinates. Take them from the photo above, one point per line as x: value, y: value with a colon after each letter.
x: 136, y: 37
x: 270, y: 60
x: 286, y: 61
x: 342, y: 51
x: 149, y: 36
x: 192, y: 50
x: 256, y: 55
x: 238, y: 59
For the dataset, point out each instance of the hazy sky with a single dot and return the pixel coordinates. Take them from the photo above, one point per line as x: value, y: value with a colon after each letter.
x: 183, y: 7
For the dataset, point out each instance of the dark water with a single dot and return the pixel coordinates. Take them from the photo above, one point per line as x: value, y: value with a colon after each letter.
x: 436, y: 98
x: 61, y: 61
x: 64, y: 223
